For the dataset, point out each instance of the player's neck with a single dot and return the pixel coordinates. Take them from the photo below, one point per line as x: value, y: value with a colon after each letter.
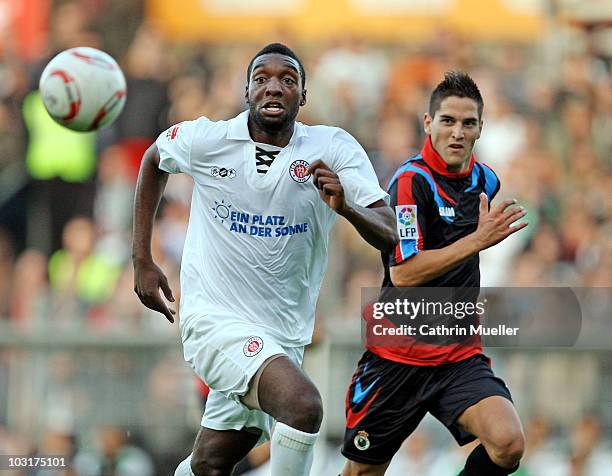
x: 459, y: 168
x: 436, y: 162
x: 279, y: 138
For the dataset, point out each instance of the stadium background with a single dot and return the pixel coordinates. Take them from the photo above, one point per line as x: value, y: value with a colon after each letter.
x: 85, y: 370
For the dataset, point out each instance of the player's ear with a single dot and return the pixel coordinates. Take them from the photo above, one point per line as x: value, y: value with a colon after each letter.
x: 246, y: 94
x: 427, y: 120
x: 303, y: 99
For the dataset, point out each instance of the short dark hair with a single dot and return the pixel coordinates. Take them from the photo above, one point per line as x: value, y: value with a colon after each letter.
x: 455, y: 83
x: 277, y: 48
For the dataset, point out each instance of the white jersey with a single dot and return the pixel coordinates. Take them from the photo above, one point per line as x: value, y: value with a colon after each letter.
x: 256, y: 245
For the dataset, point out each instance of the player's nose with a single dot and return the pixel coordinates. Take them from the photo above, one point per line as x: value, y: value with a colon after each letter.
x: 273, y: 87
x: 458, y: 132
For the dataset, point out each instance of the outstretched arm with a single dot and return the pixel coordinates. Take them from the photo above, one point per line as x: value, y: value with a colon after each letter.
x: 375, y: 223
x: 148, y: 277
x: 493, y: 226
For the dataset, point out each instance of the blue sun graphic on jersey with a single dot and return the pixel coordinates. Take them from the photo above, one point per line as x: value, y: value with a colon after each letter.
x: 221, y: 210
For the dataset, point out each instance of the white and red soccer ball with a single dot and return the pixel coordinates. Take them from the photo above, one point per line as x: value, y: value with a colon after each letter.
x: 83, y: 89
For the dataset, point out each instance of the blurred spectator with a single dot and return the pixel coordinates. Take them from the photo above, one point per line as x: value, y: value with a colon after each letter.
x: 411, y: 76
x: 80, y: 275
x: 146, y: 68
x: 602, y: 119
x: 58, y: 443
x: 396, y: 142
x: 172, y: 228
x: 70, y: 27
x: 354, y: 75
x: 416, y: 457
x: 189, y: 99
x: 543, y: 454
x: 29, y: 294
x: 113, y: 201
x: 503, y: 134
x: 114, y: 456
x: 513, y: 74
x: 62, y: 165
x: 225, y: 96
x: 7, y: 259
x: 11, y: 137
x: 362, y: 285
x: 64, y: 400
x: 591, y: 455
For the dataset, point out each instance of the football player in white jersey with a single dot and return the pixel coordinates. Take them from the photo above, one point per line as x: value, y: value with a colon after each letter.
x: 267, y: 191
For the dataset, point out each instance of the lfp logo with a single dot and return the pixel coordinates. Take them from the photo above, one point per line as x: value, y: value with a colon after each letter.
x: 407, y: 226
x: 406, y: 216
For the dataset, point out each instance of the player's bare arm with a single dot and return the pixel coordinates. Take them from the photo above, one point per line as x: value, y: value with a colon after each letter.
x: 148, y: 277
x: 494, y: 225
x: 375, y: 223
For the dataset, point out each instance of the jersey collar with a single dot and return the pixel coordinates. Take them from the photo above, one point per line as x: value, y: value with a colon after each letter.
x: 238, y: 128
x: 437, y: 164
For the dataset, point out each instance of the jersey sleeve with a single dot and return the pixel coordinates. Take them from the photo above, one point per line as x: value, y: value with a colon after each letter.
x: 351, y: 163
x: 174, y: 146
x: 409, y: 198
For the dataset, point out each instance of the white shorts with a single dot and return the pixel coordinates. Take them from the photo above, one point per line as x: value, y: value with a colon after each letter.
x: 226, y: 354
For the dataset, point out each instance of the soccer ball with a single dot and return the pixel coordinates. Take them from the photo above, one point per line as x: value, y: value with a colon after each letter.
x: 83, y: 89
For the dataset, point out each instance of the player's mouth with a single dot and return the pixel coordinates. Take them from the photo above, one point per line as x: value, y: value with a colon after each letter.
x: 456, y: 147
x: 273, y: 108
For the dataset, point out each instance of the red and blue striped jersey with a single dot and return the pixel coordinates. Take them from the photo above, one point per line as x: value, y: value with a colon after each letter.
x: 434, y: 208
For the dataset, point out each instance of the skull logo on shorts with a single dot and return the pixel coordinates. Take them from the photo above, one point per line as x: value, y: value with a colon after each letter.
x: 252, y: 346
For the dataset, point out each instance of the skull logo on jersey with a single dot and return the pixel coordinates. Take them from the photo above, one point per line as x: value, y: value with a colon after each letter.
x: 299, y: 171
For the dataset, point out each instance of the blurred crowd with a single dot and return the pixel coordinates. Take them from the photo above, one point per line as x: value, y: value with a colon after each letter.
x: 65, y: 198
